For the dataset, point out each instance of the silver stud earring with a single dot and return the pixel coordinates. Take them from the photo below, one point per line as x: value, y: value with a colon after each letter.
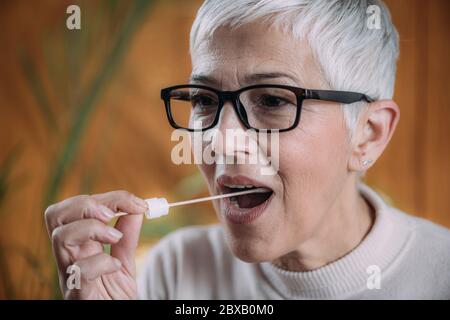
x: 366, y: 162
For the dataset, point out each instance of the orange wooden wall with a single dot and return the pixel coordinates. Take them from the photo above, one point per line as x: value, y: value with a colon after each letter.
x: 415, y: 169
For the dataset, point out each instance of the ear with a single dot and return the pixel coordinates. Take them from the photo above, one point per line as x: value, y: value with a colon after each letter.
x: 373, y: 133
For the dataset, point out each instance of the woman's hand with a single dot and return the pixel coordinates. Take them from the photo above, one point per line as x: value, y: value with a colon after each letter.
x: 77, y: 228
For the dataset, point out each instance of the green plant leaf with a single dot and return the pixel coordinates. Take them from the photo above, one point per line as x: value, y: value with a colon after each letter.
x: 87, y: 105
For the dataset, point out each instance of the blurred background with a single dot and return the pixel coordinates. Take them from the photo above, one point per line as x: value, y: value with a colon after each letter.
x: 80, y: 113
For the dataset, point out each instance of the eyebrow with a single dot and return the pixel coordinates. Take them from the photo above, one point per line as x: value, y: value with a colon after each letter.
x: 252, y: 78
x: 269, y: 76
x: 201, y: 78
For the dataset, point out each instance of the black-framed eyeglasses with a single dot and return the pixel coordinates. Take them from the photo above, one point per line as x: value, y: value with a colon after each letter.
x: 259, y: 107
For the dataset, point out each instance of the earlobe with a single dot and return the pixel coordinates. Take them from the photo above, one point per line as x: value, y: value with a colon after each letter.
x: 373, y: 134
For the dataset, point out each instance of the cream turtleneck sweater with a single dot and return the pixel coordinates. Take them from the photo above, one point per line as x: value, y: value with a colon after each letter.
x: 402, y: 257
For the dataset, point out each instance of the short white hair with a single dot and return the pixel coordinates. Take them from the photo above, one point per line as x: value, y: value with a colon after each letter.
x: 352, y: 56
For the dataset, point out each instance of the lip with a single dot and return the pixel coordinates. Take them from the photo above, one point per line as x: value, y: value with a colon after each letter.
x: 241, y: 215
x: 223, y: 180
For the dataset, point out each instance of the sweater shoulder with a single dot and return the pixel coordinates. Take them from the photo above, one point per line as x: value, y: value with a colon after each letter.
x: 423, y: 268
x: 429, y: 241
x: 426, y: 229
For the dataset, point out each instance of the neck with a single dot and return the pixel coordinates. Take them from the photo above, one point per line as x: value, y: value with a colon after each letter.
x: 346, y: 224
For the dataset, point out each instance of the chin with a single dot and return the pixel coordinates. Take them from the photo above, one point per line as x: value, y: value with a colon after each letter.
x: 248, y: 248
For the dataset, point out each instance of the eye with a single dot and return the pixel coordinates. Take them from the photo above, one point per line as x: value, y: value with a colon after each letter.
x: 272, y: 101
x: 200, y: 100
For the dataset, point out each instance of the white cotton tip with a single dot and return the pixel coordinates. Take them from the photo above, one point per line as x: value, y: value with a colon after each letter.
x: 157, y: 207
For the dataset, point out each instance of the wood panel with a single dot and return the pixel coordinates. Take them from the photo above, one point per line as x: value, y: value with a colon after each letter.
x: 436, y: 152
x: 414, y: 171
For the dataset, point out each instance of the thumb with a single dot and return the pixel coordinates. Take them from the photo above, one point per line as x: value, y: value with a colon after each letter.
x: 125, y: 249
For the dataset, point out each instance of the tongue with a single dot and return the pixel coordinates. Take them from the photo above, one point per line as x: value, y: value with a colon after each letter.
x: 253, y: 199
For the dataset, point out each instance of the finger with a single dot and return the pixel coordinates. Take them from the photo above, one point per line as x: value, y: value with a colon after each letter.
x: 81, y: 231
x: 122, y: 201
x: 67, y: 238
x: 100, y: 206
x: 76, y: 208
x: 125, y: 249
x: 95, y: 266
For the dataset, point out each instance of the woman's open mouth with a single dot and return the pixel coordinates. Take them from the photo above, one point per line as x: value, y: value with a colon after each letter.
x: 243, y: 209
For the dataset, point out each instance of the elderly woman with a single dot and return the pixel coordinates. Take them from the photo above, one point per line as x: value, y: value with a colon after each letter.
x: 320, y: 75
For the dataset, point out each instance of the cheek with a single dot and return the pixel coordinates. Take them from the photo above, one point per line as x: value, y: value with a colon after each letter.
x: 313, y: 163
x: 208, y: 174
x: 207, y: 170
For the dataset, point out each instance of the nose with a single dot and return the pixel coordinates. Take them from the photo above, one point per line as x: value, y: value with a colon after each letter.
x: 229, y: 119
x: 227, y: 130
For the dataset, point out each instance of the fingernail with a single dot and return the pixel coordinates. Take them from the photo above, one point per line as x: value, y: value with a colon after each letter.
x: 117, y: 262
x: 106, y: 212
x: 115, y: 233
x: 141, y: 203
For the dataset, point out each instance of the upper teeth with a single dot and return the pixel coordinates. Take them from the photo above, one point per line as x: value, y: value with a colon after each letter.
x: 240, y: 186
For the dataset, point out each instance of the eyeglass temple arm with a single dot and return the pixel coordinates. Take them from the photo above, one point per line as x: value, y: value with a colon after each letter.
x: 346, y: 97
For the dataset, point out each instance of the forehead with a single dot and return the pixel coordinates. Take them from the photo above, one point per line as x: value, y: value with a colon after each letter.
x: 255, y: 48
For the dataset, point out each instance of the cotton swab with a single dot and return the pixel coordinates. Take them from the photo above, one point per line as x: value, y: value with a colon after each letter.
x: 158, y: 207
